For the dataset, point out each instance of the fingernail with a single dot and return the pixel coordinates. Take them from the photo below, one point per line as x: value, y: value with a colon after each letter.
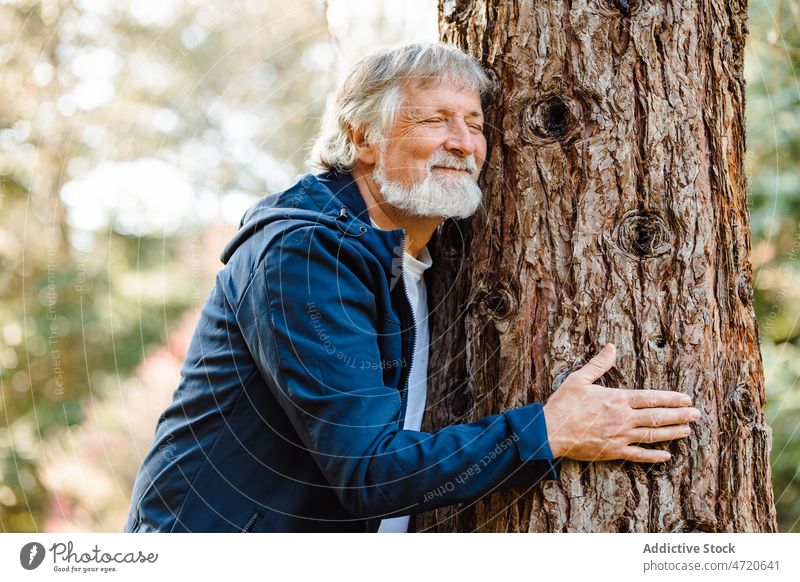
x: 686, y: 399
x: 695, y: 415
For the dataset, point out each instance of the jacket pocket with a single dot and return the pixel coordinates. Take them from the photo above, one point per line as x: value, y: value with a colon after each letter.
x: 251, y: 524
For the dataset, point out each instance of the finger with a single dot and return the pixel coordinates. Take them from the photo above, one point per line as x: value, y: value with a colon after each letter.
x: 655, y: 398
x: 598, y: 365
x: 657, y: 435
x: 642, y: 455
x: 664, y: 416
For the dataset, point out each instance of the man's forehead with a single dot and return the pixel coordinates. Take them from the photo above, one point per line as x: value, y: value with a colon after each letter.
x: 443, y: 94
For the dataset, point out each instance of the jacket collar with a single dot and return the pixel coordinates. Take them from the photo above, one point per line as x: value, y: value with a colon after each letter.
x: 345, y: 194
x: 349, y: 211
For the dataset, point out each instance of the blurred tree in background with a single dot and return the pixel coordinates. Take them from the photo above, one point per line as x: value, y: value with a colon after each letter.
x: 128, y: 130
x: 133, y: 135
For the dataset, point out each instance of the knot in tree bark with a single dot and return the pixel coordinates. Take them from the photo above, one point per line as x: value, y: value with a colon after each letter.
x: 642, y: 235
x: 551, y: 118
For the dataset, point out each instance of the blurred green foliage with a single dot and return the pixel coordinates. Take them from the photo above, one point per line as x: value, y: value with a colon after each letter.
x: 773, y: 142
x: 227, y: 95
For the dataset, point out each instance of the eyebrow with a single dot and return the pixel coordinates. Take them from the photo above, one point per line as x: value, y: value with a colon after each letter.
x: 470, y: 114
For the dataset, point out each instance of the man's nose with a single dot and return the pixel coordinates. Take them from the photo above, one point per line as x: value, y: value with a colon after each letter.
x: 460, y: 140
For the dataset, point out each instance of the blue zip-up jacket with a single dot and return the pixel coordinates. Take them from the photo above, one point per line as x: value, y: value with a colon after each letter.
x: 289, y: 411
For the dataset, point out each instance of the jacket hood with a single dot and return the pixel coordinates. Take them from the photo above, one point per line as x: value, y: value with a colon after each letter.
x: 331, y: 199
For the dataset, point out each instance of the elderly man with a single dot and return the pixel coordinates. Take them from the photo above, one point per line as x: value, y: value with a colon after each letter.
x: 303, y: 389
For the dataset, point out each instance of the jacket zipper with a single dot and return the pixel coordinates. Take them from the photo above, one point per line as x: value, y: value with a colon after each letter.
x: 407, y: 370
x: 410, y: 311
x: 251, y: 524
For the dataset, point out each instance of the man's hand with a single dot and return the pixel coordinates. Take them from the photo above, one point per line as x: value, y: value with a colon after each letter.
x: 587, y: 422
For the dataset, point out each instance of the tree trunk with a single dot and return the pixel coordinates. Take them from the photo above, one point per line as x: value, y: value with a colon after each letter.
x: 615, y: 210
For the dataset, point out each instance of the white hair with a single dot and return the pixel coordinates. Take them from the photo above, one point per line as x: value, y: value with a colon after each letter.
x: 371, y: 95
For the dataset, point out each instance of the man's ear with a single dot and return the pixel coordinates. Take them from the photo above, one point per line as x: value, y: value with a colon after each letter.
x: 365, y: 150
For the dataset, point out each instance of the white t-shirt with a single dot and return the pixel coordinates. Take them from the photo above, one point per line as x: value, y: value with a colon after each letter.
x: 413, y: 270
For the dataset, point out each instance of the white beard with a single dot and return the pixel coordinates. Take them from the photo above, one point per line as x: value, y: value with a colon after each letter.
x: 436, y: 194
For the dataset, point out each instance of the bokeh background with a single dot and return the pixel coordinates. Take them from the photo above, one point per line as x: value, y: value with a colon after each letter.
x: 134, y: 134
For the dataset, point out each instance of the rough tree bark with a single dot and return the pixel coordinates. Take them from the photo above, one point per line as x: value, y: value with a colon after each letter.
x: 615, y: 211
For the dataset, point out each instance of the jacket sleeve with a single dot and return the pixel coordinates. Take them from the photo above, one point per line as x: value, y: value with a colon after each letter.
x: 307, y: 316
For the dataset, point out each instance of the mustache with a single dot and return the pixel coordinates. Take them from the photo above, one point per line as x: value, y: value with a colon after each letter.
x: 443, y: 159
